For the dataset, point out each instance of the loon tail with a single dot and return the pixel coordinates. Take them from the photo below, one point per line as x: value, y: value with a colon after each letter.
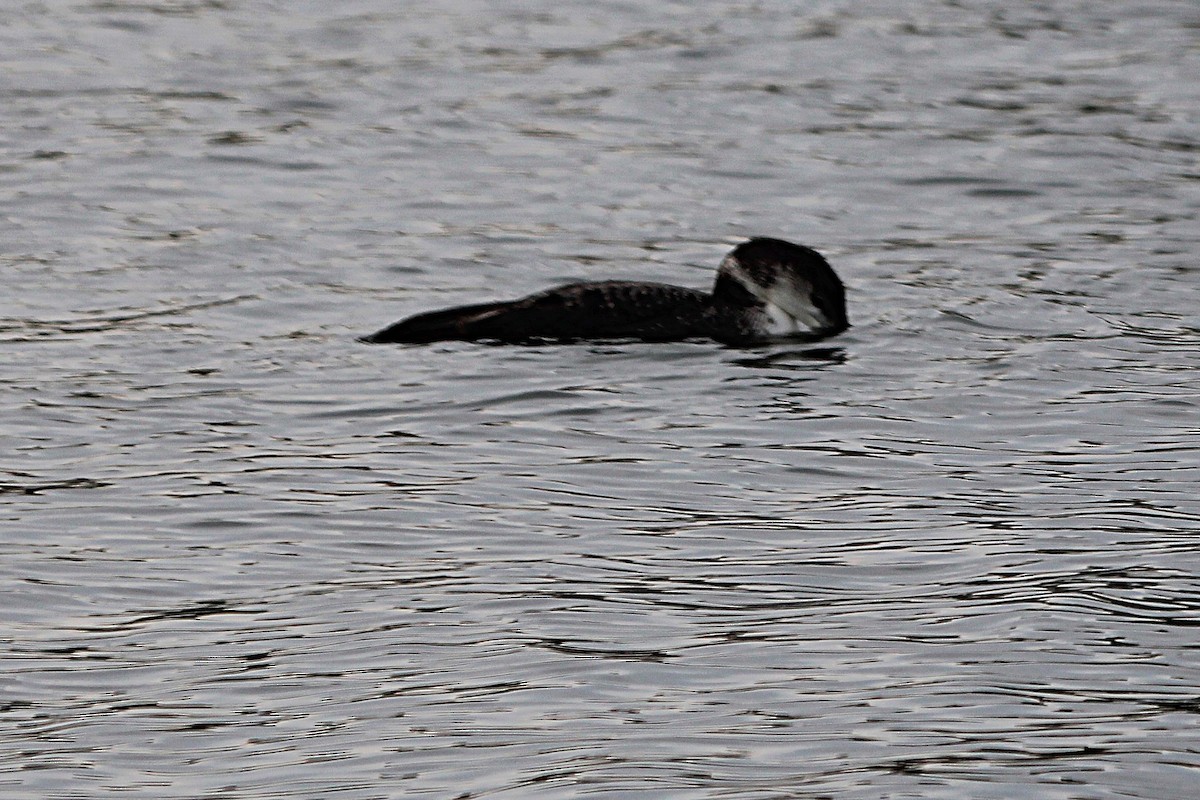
x: 464, y: 322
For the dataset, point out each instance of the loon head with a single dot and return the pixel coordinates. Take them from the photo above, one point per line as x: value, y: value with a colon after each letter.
x: 797, y: 289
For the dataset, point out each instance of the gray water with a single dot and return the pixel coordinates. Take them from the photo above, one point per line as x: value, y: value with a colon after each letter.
x: 951, y: 553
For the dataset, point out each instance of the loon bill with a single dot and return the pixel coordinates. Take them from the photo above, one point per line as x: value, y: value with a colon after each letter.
x: 765, y: 289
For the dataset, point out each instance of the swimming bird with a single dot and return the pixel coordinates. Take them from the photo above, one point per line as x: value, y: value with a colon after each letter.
x: 765, y: 289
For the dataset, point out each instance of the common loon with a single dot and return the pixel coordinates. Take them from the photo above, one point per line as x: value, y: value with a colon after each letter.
x: 765, y: 288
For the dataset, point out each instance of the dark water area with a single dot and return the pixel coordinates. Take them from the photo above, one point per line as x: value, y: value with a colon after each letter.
x: 951, y: 553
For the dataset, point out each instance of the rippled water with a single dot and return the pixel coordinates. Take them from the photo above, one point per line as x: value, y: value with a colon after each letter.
x: 950, y: 553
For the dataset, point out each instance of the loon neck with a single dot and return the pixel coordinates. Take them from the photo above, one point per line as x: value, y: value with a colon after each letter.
x: 730, y: 292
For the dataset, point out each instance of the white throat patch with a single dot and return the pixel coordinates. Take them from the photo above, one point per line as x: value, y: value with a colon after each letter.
x: 787, y: 306
x: 780, y: 322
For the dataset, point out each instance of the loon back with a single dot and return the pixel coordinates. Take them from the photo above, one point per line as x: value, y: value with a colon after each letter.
x: 765, y: 288
x: 602, y: 310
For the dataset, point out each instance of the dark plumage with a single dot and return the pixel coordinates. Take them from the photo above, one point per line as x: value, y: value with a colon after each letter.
x: 765, y: 288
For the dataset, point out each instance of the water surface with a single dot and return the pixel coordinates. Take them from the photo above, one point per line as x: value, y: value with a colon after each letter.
x: 951, y: 553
